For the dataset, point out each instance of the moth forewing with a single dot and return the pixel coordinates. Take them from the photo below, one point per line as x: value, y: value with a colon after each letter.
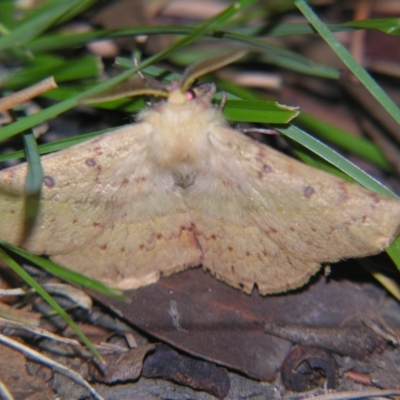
x: 180, y: 188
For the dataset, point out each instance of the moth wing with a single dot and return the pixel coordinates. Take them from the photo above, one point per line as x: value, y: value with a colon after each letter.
x: 106, y: 210
x: 264, y: 218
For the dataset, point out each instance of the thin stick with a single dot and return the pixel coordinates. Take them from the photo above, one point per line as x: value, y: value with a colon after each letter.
x: 223, y: 101
x: 140, y: 74
x: 27, y: 94
x: 105, y: 348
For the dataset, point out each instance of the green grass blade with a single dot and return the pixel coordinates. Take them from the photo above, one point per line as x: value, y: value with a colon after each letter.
x: 32, y: 27
x: 387, y: 25
x: 78, y: 8
x: 273, y: 54
x: 45, y: 65
x: 34, y: 176
x: 51, y: 42
x: 56, y: 41
x: 394, y: 252
x: 268, y: 112
x: 31, y: 282
x: 335, y: 159
x: 349, y: 61
x: 33, y: 71
x: 208, y: 25
x: 391, y: 26
x: 33, y: 179
x: 343, y: 139
x: 83, y: 68
x: 7, y: 16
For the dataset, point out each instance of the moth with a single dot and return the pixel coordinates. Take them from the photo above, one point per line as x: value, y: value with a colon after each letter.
x: 180, y: 188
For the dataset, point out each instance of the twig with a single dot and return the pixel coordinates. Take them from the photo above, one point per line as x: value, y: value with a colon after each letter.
x: 105, y: 348
x: 27, y: 94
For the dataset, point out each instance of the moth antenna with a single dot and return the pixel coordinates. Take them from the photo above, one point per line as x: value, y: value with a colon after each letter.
x: 223, y: 101
x: 260, y: 130
x: 140, y: 74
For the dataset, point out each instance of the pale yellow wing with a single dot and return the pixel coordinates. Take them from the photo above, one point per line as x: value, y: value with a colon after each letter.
x: 106, y: 210
x: 264, y: 218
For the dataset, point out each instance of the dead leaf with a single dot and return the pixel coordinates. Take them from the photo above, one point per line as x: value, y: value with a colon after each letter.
x: 356, y: 342
x: 224, y: 326
x: 120, y: 367
x: 307, y: 367
x: 181, y: 188
x: 200, y: 375
x: 18, y: 380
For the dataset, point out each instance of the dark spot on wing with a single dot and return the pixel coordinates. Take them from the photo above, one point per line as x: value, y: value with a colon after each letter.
x: 118, y: 271
x: 98, y: 150
x: 230, y: 248
x: 159, y: 236
x: 308, y: 191
x: 266, y: 169
x: 49, y: 181
x: 90, y: 162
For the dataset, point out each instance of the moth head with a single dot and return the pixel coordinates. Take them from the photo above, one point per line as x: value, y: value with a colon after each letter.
x: 204, y: 91
x: 187, y: 91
